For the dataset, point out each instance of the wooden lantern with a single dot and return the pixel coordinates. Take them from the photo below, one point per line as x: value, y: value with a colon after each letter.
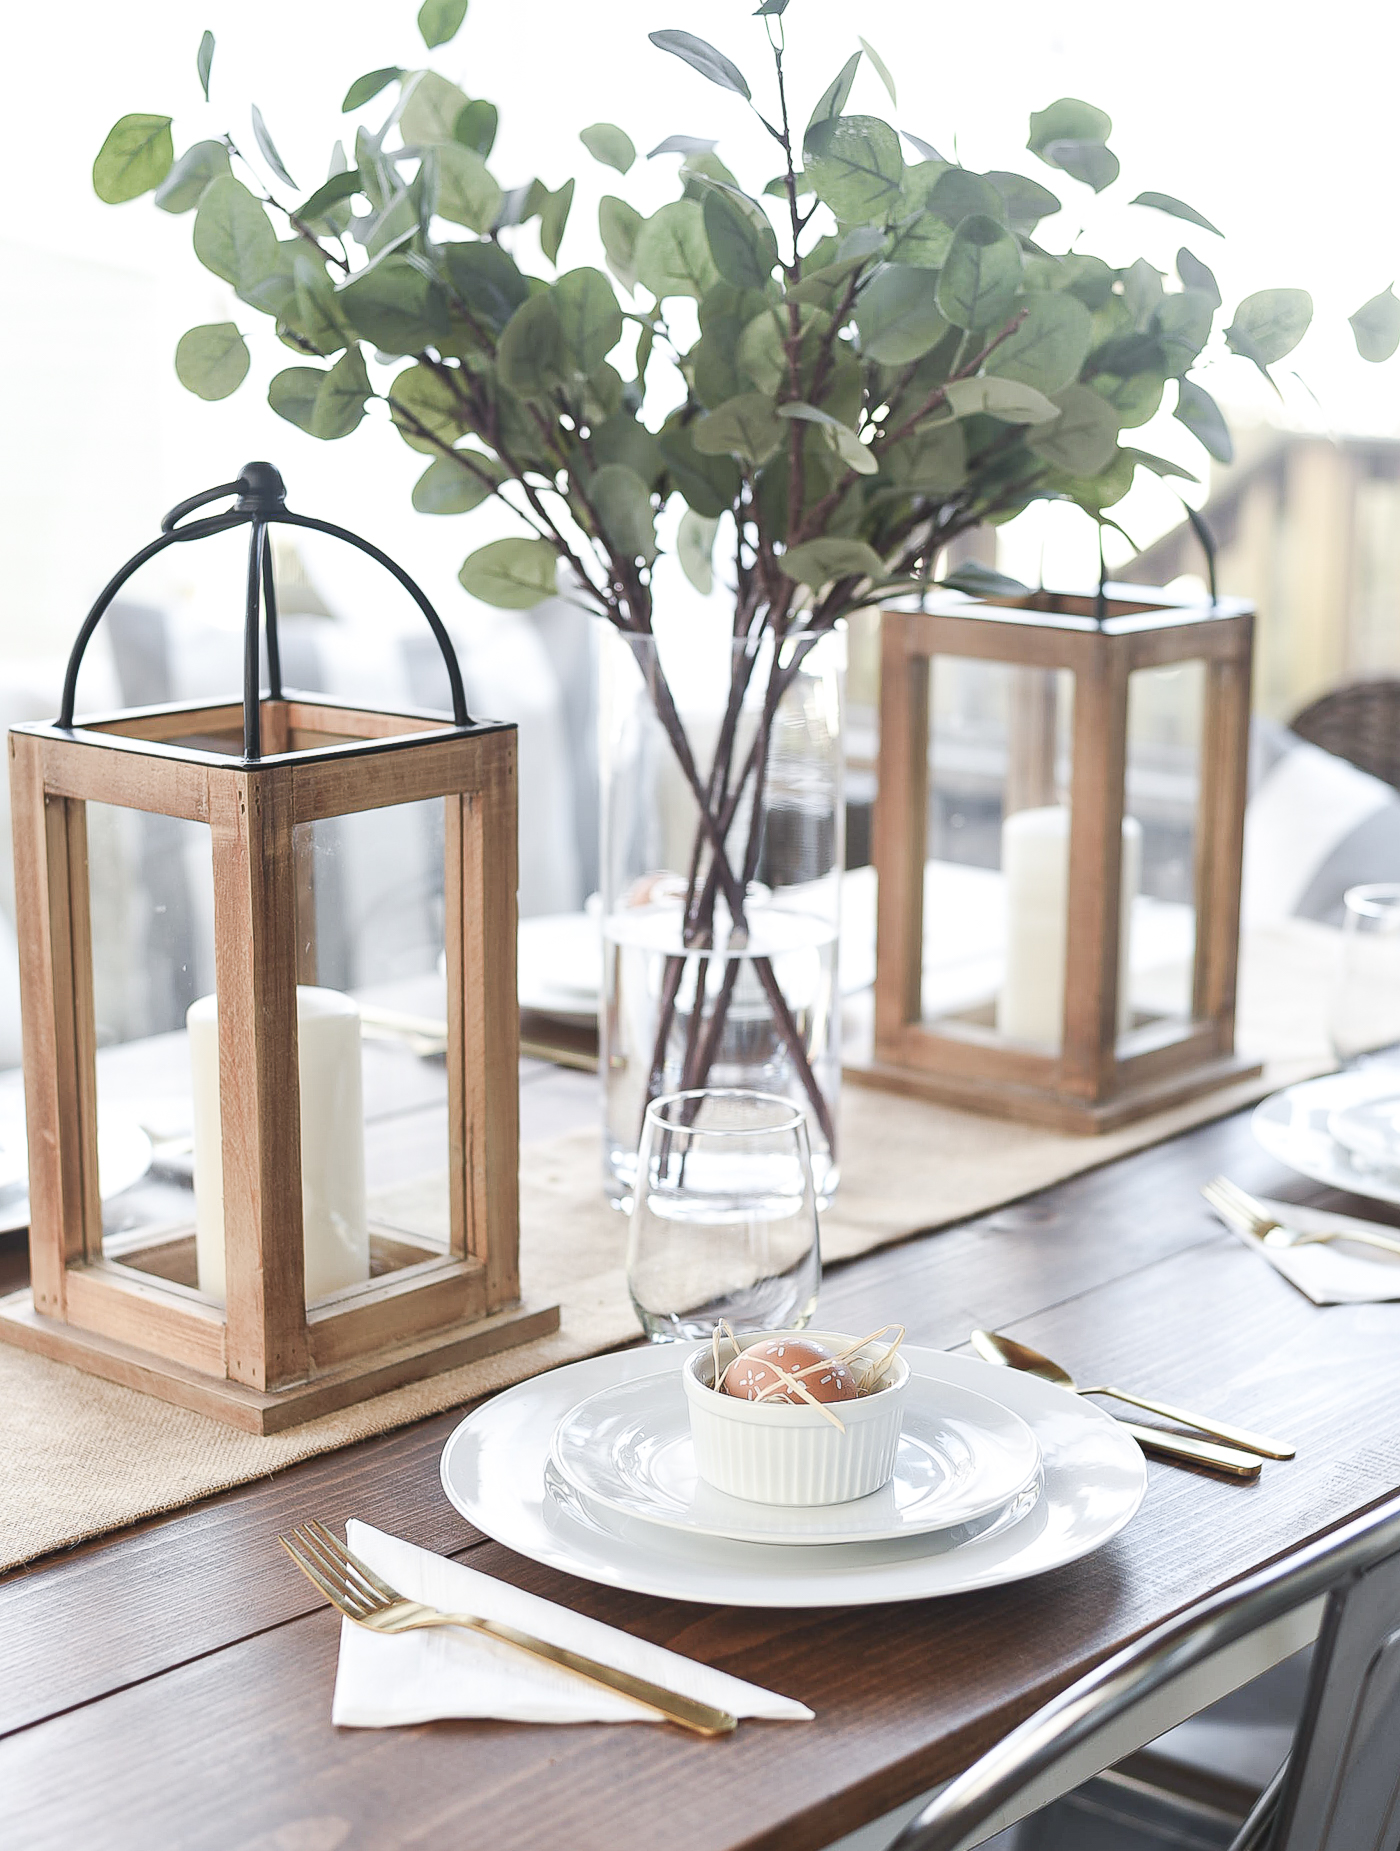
x: 254, y: 772
x: 1107, y: 1068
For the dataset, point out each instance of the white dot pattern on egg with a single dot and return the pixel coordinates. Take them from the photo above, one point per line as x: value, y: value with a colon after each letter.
x: 751, y: 1378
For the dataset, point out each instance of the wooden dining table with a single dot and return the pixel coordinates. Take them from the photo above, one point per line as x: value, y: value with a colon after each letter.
x: 170, y: 1685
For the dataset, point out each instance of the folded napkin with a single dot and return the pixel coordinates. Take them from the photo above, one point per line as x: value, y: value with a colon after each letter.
x: 449, y: 1671
x: 1335, y: 1273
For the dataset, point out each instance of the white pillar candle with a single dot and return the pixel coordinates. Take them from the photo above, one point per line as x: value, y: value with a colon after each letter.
x: 336, y: 1237
x: 1035, y: 868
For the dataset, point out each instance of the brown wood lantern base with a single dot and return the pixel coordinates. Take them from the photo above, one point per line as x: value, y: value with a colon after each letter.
x: 1004, y: 1099
x: 258, y: 1411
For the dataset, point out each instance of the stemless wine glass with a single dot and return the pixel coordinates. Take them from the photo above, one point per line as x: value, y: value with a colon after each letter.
x: 724, y: 1215
x: 1365, y: 1007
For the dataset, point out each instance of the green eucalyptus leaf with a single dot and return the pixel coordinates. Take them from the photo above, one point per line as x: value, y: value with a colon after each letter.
x: 204, y: 62
x: 924, y: 148
x: 623, y: 506
x: 854, y: 165
x: 957, y: 194
x: 1026, y: 201
x: 366, y: 88
x: 978, y: 283
x: 1269, y: 324
x: 1198, y: 411
x: 1087, y: 278
x: 832, y: 100
x: 487, y: 280
x: 1068, y: 120
x: 932, y: 460
x: 292, y: 394
x: 1160, y: 465
x: 672, y: 253
x: 426, y: 410
x: 314, y: 311
x: 1177, y: 208
x: 747, y: 427
x: 319, y: 208
x: 511, y: 574
x: 708, y: 483
x: 695, y: 546
x: 466, y: 191
x: 136, y: 156
x: 923, y: 240
x: 609, y: 144
x: 1135, y: 397
x: 762, y: 351
x: 476, y: 127
x: 233, y: 236
x: 741, y: 240
x: 394, y: 306
x: 1083, y: 439
x: 1011, y: 400
x: 683, y: 144
x: 340, y: 403
x: 1376, y: 326
x: 212, y: 361
x: 1196, y: 275
x: 976, y: 580
x: 618, y: 226
x: 1050, y: 346
x: 183, y: 187
x: 882, y: 70
x: 1142, y: 291
x: 589, y: 316
x: 440, y: 20
x: 532, y: 356
x: 1088, y: 161
x: 269, y: 148
x: 819, y: 562
x: 456, y: 484
x: 431, y: 111
x: 1182, y: 324
x: 702, y: 57
x: 623, y: 440
x: 836, y: 434
x: 897, y: 315
x: 554, y: 216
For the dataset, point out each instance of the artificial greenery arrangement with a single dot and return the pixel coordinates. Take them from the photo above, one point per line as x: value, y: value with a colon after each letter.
x: 889, y: 354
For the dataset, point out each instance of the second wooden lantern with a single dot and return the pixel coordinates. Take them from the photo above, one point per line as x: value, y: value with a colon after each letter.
x: 1032, y: 961
x: 342, y: 1244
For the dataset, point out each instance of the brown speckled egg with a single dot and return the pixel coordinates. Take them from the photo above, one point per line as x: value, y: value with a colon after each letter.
x: 750, y: 1374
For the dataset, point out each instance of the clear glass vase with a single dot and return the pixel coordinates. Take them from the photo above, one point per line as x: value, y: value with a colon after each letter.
x: 692, y: 996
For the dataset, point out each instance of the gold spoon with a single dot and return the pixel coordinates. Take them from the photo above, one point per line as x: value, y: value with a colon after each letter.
x: 999, y: 1349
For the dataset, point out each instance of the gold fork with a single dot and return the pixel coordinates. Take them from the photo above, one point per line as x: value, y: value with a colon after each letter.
x: 352, y: 1586
x: 1231, y: 1203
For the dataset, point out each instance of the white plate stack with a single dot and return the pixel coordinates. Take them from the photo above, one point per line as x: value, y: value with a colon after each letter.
x: 591, y: 1469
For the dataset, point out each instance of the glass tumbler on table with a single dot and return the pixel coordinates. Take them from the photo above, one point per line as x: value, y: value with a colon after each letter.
x: 1364, y: 1015
x: 724, y: 1216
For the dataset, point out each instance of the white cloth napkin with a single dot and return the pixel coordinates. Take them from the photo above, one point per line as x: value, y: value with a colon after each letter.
x: 1335, y: 1273
x: 449, y: 1671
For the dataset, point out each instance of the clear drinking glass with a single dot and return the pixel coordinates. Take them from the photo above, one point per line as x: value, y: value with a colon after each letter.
x: 1365, y: 1007
x: 724, y: 1216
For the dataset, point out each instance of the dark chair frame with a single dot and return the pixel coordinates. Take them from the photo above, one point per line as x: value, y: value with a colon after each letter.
x: 1340, y: 1788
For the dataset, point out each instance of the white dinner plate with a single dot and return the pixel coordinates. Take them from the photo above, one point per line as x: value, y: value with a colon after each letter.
x: 495, y: 1466
x: 1298, y: 1125
x: 961, y: 1457
x: 1370, y: 1130
x: 123, y: 1158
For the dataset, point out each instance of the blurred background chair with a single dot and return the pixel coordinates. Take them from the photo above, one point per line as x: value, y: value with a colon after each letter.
x: 1360, y: 723
x: 1338, y: 1789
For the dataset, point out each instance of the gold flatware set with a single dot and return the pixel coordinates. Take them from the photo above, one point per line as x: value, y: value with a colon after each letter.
x: 1248, y: 1214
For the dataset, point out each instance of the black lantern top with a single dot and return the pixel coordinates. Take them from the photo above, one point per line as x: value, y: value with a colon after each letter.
x: 261, y: 501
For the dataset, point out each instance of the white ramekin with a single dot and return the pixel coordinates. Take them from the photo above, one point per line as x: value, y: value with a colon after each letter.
x: 773, y: 1452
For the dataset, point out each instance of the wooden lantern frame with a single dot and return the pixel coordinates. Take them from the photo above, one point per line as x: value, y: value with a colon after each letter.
x: 1098, y: 1079
x: 265, y: 1361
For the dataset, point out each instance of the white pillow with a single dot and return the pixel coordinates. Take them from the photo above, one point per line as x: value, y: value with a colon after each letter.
x: 1315, y: 826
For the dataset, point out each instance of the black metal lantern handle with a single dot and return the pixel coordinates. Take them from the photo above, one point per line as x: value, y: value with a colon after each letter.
x: 262, y: 500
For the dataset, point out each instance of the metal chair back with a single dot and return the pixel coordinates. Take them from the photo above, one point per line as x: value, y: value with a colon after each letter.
x: 1339, y: 1791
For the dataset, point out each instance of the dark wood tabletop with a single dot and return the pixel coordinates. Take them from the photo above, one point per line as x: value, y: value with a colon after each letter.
x: 170, y: 1685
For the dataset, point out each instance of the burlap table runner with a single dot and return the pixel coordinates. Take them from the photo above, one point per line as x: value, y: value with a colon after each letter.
x: 81, y: 1456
